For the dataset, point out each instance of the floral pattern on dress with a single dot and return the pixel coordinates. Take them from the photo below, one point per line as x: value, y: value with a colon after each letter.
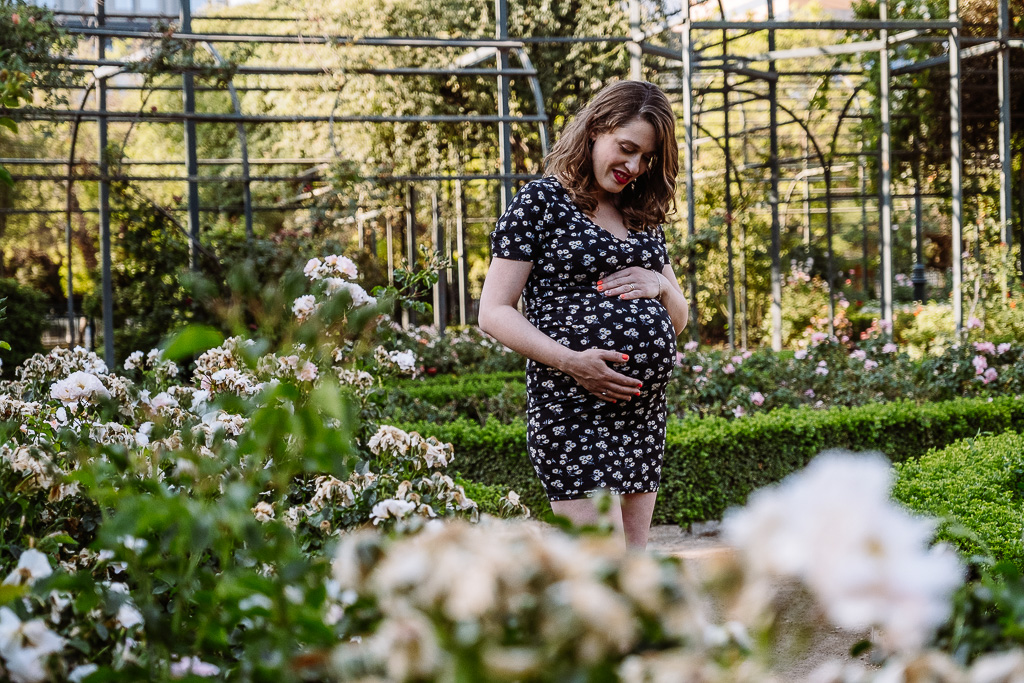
x: 577, y: 442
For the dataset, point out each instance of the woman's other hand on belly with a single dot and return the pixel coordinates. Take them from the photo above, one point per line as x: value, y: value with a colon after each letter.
x: 632, y: 283
x: 591, y: 370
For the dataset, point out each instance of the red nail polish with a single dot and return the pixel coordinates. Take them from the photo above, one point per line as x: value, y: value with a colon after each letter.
x: 640, y: 386
x: 638, y: 393
x: 600, y: 282
x: 625, y: 357
x: 599, y: 288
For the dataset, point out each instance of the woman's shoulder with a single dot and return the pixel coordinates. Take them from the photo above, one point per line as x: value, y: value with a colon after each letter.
x: 546, y: 189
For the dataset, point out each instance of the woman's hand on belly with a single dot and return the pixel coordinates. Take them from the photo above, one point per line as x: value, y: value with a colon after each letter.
x: 590, y: 369
x: 632, y: 283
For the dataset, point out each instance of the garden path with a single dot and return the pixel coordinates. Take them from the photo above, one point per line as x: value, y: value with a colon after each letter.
x: 702, y: 544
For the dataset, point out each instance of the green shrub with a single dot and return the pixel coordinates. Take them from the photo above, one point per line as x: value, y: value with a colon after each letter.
x: 22, y: 324
x: 978, y: 483
x: 713, y: 464
x: 501, y: 396
x: 467, y: 379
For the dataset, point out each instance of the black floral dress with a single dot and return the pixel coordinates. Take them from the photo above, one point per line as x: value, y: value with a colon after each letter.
x: 577, y: 442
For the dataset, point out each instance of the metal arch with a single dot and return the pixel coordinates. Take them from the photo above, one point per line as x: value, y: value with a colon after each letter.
x: 538, y: 97
x: 477, y: 56
x: 243, y: 142
x: 67, y: 205
x: 827, y: 169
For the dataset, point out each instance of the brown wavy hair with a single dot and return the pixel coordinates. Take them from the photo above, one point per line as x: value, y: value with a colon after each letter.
x: 645, y: 202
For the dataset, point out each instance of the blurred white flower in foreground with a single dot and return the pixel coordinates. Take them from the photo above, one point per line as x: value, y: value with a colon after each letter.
x: 32, y: 566
x: 193, y: 666
x: 834, y: 527
x: 25, y: 646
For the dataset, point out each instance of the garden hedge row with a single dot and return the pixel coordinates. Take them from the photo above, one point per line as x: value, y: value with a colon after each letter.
x: 975, y: 483
x: 712, y: 464
x: 502, y: 395
x: 441, y: 390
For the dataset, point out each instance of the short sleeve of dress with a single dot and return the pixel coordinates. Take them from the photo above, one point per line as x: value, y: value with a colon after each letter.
x: 517, y: 233
x: 662, y: 246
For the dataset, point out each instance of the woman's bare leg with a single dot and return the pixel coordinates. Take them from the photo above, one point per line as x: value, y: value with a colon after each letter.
x: 637, y: 512
x: 584, y: 512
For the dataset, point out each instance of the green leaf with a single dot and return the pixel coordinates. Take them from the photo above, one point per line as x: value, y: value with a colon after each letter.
x: 5, y: 346
x: 5, y: 177
x: 8, y: 124
x: 10, y: 593
x: 51, y: 544
x: 193, y: 340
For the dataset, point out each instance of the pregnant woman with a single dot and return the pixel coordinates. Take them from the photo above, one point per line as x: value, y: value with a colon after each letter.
x: 585, y: 248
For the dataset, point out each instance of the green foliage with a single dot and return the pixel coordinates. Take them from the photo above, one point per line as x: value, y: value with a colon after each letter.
x: 32, y: 42
x: 977, y: 484
x: 150, y: 257
x: 988, y: 613
x: 712, y: 464
x: 22, y: 325
x: 500, y: 397
x: 12, y: 92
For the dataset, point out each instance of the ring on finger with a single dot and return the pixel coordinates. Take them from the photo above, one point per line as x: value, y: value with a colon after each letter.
x: 631, y: 286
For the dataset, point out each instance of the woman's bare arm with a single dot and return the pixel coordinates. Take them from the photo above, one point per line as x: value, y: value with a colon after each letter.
x: 500, y: 318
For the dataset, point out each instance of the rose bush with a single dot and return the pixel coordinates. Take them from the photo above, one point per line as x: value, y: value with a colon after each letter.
x: 154, y: 528
x: 831, y: 372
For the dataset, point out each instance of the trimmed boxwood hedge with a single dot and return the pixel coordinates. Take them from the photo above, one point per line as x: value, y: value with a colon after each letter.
x: 977, y: 483
x: 501, y: 395
x: 712, y: 464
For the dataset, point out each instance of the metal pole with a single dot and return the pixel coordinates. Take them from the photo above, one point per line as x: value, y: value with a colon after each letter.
x: 636, y: 72
x: 807, y: 194
x: 389, y: 238
x: 956, y: 166
x: 441, y: 286
x: 504, y: 128
x: 885, y: 167
x: 243, y: 142
x: 691, y: 228
x: 831, y: 257
x: 104, y: 200
x: 1005, y: 152
x: 462, y: 261
x: 773, y: 196
x: 918, y: 278
x: 862, y: 176
x: 730, y: 267
x: 191, y: 156
x: 408, y: 316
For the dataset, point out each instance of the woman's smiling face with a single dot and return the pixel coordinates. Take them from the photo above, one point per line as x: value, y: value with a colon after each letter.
x: 621, y: 155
